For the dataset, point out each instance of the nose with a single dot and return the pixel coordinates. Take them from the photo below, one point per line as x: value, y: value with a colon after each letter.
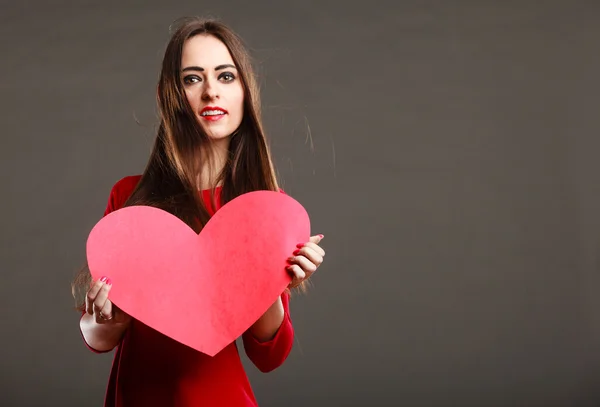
x: 210, y: 91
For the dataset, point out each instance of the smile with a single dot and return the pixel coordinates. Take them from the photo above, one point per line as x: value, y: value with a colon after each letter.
x: 213, y: 113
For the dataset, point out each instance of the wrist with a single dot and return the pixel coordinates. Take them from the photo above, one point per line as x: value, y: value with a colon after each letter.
x: 265, y: 328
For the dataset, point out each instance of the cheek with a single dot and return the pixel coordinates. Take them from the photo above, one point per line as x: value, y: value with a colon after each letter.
x: 238, y: 99
x: 192, y: 100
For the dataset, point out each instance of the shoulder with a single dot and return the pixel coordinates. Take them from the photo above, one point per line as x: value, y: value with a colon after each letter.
x: 126, y: 185
x: 121, y: 191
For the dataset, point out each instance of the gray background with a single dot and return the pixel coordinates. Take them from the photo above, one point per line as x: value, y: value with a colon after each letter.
x: 447, y: 150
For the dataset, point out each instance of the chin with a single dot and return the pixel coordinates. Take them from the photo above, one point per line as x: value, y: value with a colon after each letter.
x: 219, y: 137
x: 217, y: 132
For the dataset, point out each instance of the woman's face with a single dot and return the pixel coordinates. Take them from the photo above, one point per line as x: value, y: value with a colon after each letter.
x: 212, y: 85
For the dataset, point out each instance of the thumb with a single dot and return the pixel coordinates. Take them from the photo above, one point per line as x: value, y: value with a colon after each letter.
x: 316, y: 239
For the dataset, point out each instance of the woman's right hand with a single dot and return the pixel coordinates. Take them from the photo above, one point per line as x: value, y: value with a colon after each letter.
x: 100, y: 307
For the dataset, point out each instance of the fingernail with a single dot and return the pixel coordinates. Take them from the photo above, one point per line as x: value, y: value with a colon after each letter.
x: 300, y: 245
x: 103, y: 279
x: 321, y: 236
x: 296, y: 252
x: 108, y: 281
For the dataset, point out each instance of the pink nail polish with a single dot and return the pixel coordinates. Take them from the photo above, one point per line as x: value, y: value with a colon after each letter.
x: 321, y: 236
x: 103, y: 279
x: 296, y: 252
x: 300, y: 245
x: 108, y: 281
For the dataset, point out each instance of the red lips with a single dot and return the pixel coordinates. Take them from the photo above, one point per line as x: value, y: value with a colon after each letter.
x: 213, y: 117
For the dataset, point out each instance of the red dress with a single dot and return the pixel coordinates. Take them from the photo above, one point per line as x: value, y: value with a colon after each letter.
x: 150, y: 369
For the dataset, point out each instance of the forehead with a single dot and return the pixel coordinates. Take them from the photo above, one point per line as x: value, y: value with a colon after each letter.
x: 205, y: 51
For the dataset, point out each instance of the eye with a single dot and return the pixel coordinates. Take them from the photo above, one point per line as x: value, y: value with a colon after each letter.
x: 190, y: 79
x: 227, y: 76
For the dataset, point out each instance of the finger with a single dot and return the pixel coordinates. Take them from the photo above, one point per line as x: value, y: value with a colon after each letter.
x: 101, y: 318
x: 313, y: 246
x: 316, y: 239
x: 91, y: 296
x: 310, y: 254
x: 306, y: 265
x: 107, y: 311
x: 297, y: 273
x: 102, y: 297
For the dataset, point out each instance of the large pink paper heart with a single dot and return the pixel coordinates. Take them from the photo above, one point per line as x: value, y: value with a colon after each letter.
x: 203, y: 290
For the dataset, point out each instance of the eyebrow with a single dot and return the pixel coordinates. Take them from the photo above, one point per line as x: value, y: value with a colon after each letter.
x: 217, y: 68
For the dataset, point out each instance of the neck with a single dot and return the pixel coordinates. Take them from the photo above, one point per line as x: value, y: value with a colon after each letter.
x: 213, y: 161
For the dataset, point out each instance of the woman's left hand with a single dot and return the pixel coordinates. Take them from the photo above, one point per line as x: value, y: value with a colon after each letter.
x: 305, y: 260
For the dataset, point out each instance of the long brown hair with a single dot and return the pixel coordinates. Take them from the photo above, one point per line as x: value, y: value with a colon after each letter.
x: 169, y: 180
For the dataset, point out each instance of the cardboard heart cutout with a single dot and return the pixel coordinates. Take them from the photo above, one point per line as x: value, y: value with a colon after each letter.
x: 203, y: 290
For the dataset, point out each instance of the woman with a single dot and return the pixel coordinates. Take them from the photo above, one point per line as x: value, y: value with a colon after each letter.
x: 210, y: 148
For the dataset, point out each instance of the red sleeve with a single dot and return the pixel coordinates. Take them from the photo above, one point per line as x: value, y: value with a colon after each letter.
x: 118, y: 195
x: 268, y: 356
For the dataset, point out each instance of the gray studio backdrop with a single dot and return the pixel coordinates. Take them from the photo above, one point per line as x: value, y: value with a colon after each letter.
x: 447, y: 150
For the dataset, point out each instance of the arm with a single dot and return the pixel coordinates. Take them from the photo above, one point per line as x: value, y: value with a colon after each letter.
x: 269, y: 341
x: 267, y: 326
x: 100, y: 334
